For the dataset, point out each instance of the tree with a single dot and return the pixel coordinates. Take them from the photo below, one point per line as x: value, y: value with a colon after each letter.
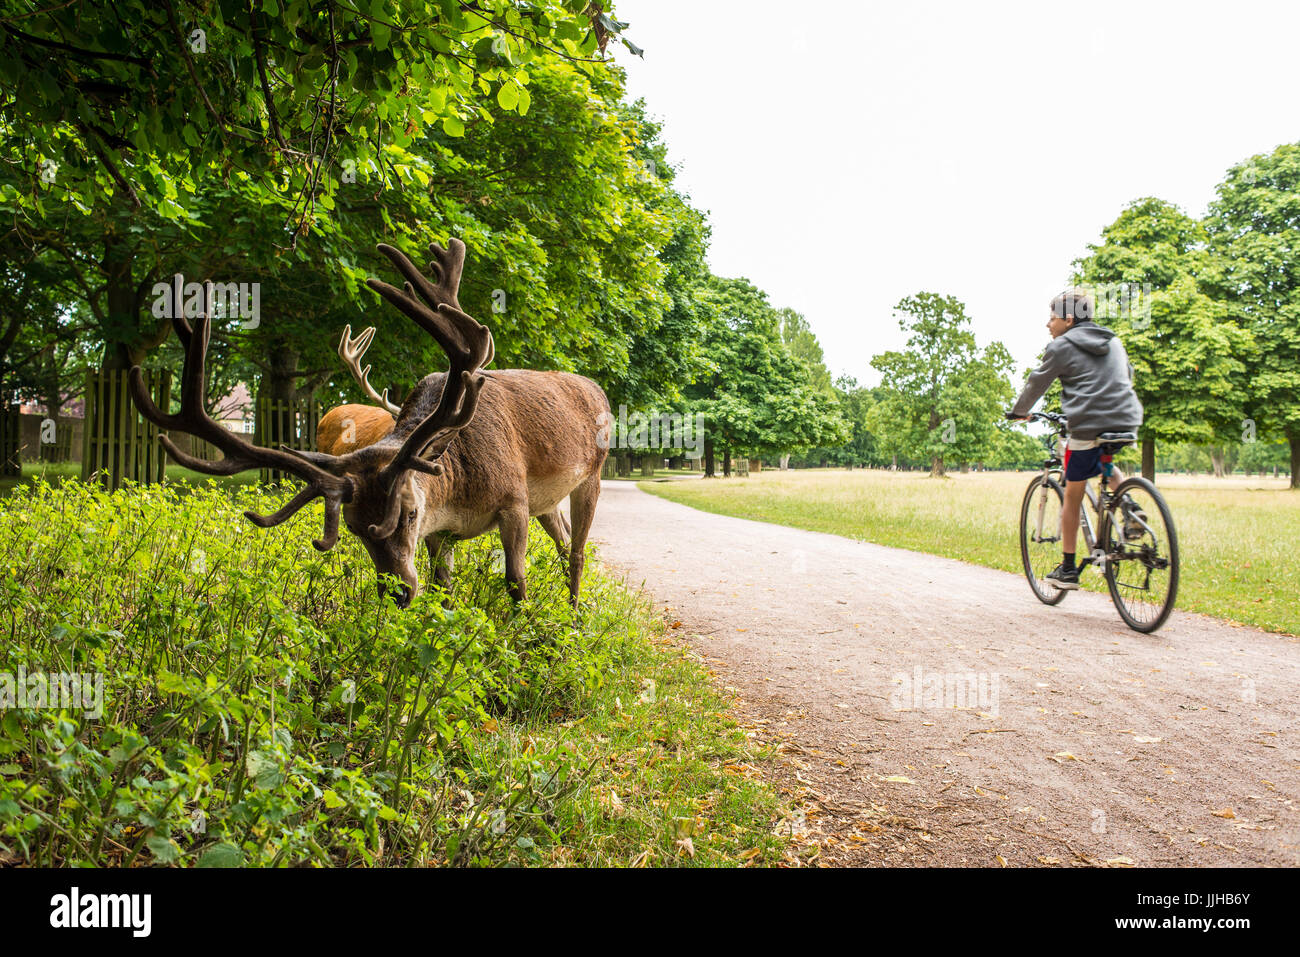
x: 942, y: 397
x: 755, y: 396
x: 1189, y: 360
x: 803, y: 345
x: 1254, y: 229
x: 143, y: 101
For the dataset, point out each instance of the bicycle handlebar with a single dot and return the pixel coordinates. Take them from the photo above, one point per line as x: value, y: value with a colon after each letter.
x: 1044, y: 416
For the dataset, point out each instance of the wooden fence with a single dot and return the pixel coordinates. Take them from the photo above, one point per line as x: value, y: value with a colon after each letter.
x: 10, y: 441
x: 117, y: 442
x: 292, y: 424
x: 60, y: 450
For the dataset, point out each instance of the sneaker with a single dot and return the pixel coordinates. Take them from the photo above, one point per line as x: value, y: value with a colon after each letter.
x: 1064, y: 579
x: 1134, y: 520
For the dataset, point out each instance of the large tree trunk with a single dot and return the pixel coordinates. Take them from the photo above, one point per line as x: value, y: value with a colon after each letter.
x: 122, y: 350
x: 785, y: 462
x: 119, y: 303
x: 624, y: 463
x: 710, y: 460
x: 936, y: 466
x: 1216, y: 456
x: 726, y: 462
x: 274, y: 411
x: 1294, y: 442
x: 1149, y: 459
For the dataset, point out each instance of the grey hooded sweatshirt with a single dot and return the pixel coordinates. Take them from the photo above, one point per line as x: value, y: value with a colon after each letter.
x: 1096, y: 382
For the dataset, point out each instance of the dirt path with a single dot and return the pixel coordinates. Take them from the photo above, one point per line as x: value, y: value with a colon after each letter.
x: 1082, y: 742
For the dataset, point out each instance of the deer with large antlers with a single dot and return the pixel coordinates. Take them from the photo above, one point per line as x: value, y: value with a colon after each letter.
x: 470, y: 451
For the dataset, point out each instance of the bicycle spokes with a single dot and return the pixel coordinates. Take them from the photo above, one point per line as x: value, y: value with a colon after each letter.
x: 1040, y: 537
x: 1141, y: 555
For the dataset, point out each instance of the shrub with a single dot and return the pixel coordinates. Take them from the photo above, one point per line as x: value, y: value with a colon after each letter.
x: 261, y: 704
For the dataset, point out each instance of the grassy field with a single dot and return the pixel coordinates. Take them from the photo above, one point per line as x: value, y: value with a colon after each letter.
x: 1238, y: 535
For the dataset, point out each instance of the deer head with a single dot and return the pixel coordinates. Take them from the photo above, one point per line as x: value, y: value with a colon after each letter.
x: 387, y: 491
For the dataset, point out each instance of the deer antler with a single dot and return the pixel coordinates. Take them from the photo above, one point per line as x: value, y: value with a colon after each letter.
x: 238, y: 455
x: 350, y: 351
x: 468, y: 345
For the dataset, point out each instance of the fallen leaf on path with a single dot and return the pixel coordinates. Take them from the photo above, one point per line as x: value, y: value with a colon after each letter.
x: 1119, y: 862
x: 1227, y: 813
x: 898, y: 779
x: 687, y: 846
x: 1060, y: 757
x: 1141, y: 740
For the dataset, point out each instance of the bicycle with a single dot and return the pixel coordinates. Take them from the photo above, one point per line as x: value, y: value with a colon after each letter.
x: 1132, y: 540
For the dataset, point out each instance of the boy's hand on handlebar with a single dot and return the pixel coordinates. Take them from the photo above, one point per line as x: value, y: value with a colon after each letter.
x: 1016, y: 418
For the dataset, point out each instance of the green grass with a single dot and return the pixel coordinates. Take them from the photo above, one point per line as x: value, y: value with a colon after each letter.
x: 262, y: 706
x: 1237, y: 535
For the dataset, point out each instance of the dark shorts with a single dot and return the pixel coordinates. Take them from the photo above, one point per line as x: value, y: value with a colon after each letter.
x: 1082, y: 464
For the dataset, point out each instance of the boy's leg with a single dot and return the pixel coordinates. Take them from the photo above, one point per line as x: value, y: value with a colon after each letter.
x: 1066, y: 575
x: 1080, y: 466
x: 1070, y: 519
x: 1070, y: 513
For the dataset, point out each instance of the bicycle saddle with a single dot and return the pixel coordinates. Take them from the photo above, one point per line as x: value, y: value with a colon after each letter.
x: 1117, y: 437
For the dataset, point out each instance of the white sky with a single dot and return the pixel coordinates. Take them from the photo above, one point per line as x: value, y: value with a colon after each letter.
x: 850, y: 154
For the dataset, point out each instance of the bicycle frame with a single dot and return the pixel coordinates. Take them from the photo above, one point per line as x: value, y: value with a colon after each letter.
x: 1098, y: 498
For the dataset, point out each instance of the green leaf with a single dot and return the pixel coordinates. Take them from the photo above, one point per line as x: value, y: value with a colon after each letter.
x: 222, y: 855
x: 163, y: 849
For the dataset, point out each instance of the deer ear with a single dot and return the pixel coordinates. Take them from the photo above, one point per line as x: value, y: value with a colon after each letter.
x: 438, y: 445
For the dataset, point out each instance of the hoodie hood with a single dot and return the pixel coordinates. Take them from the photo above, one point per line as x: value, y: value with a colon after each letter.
x: 1090, y: 337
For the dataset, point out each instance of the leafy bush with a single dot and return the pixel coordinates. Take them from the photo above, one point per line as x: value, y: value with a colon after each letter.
x: 263, y: 706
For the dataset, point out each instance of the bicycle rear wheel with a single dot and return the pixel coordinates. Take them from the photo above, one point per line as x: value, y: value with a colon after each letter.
x: 1040, y: 536
x: 1141, y: 555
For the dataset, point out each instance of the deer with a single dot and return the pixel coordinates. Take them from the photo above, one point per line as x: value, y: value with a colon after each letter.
x: 470, y: 450
x: 354, y: 426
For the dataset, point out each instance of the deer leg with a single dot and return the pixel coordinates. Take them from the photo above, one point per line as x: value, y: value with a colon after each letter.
x: 514, y: 542
x: 558, y: 529
x: 443, y: 556
x: 582, y: 506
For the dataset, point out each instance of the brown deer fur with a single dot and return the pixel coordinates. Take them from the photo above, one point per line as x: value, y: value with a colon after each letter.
x: 351, y: 427
x: 534, y: 440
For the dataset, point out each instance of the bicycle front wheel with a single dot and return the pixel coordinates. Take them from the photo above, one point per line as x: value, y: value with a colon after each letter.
x: 1040, y: 536
x: 1141, y: 555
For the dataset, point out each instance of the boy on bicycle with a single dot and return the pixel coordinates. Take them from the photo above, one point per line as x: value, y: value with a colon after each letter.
x: 1096, y: 396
